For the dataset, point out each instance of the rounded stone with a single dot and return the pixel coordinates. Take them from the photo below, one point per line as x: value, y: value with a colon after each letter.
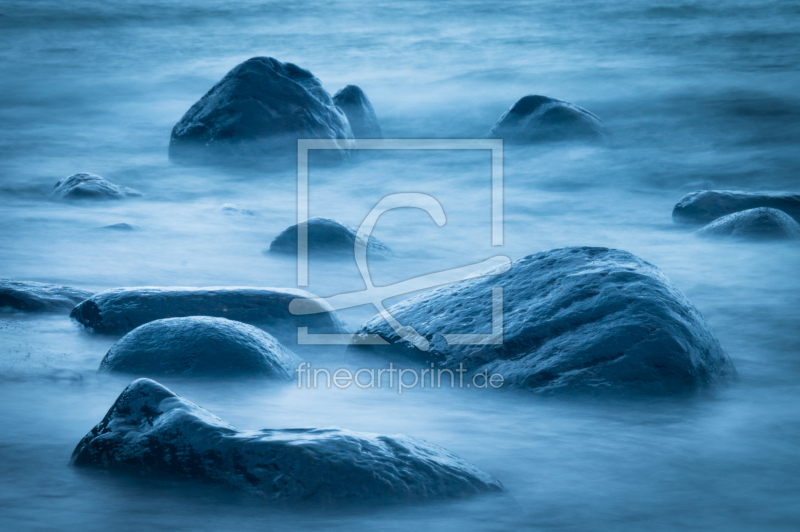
x: 536, y: 118
x: 761, y: 223
x: 200, y: 346
x: 355, y: 104
x: 574, y: 320
x: 151, y: 431
x: 260, y: 108
x: 89, y: 186
x: 327, y: 237
x: 705, y: 206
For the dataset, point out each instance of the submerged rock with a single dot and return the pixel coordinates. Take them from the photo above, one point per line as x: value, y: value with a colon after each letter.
x: 230, y: 208
x: 355, y: 104
x: 200, y: 346
x: 152, y: 431
x: 90, y: 186
x: 121, y: 310
x: 122, y: 227
x: 762, y: 223
x: 29, y: 296
x: 574, y: 320
x: 706, y: 206
x: 539, y: 118
x: 260, y: 108
x: 327, y: 237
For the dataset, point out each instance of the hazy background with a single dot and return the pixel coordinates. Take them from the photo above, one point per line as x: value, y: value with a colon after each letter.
x: 696, y: 95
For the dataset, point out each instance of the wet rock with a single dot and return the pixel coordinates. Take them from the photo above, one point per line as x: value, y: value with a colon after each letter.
x: 200, y: 346
x: 539, y: 118
x: 762, y: 223
x: 121, y: 310
x: 152, y: 431
x: 29, y: 296
x: 328, y: 238
x: 90, y: 186
x: 260, y: 108
x: 706, y: 206
x: 122, y: 227
x: 575, y: 320
x: 355, y: 104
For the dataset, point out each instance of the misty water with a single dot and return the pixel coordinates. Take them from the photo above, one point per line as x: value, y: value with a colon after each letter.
x: 696, y: 95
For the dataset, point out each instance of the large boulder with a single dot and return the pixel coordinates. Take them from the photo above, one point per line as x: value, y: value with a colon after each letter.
x: 762, y: 223
x: 355, y: 104
x: 121, y: 310
x: 200, y: 346
x: 327, y: 237
x: 152, y: 431
x: 575, y: 320
x: 29, y: 296
x: 537, y: 118
x: 90, y: 186
x: 706, y: 206
x: 260, y: 108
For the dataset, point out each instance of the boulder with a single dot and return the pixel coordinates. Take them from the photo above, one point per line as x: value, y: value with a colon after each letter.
x: 539, y: 119
x: 90, y: 186
x: 122, y: 227
x: 575, y: 320
x: 706, y: 206
x: 121, y: 310
x: 260, y: 108
x: 355, y: 104
x: 152, y: 431
x: 29, y: 296
x: 200, y: 346
x: 762, y: 223
x: 328, y: 238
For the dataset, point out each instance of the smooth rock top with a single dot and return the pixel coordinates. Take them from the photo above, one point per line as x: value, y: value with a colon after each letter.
x: 537, y: 118
x: 327, y: 237
x: 588, y: 320
x: 706, y: 206
x: 355, y: 104
x: 29, y: 296
x: 762, y: 223
x: 150, y: 430
x: 259, y: 108
x: 121, y: 310
x: 200, y: 346
x: 90, y: 186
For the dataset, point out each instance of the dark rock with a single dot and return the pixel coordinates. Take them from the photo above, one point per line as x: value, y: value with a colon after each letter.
x: 39, y: 297
x: 122, y: 227
x: 200, y: 346
x: 706, y: 206
x: 152, y: 431
x: 539, y: 118
x: 585, y: 320
x: 121, y: 310
x: 90, y: 186
x: 762, y: 223
x: 327, y: 237
x: 260, y: 108
x: 359, y: 111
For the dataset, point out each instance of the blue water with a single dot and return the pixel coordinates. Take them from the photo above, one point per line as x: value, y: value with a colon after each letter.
x: 696, y: 95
